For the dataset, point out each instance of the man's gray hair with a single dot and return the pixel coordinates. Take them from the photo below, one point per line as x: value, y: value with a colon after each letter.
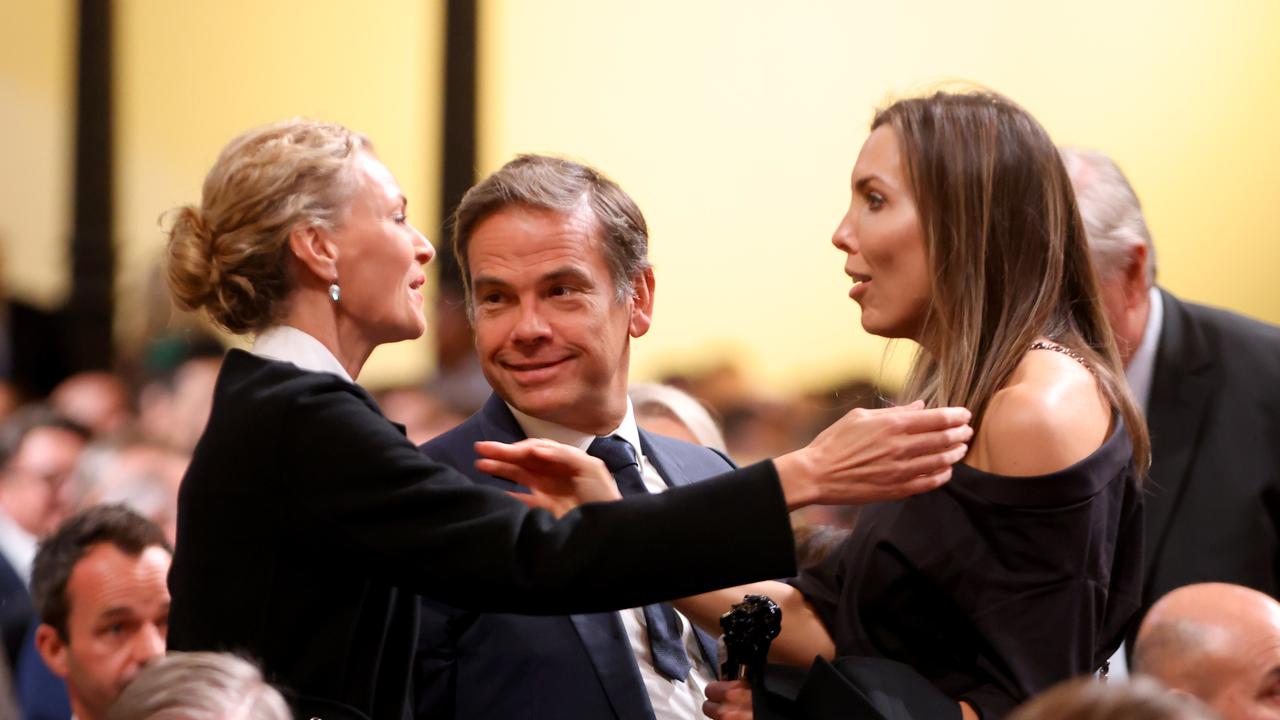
x: 199, y: 686
x: 1112, y: 214
x: 551, y: 183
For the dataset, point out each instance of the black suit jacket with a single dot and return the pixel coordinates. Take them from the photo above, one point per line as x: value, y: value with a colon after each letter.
x: 16, y: 614
x: 1213, y: 509
x: 502, y: 666
x: 307, y: 524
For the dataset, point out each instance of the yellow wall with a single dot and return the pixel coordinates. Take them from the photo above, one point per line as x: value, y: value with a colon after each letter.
x: 36, y: 126
x: 734, y: 123
x: 191, y: 75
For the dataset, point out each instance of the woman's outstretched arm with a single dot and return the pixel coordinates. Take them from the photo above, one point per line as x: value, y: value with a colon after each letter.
x: 803, y: 635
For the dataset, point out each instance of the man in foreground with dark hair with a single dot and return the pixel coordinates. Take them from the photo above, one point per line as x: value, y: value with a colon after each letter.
x: 555, y: 259
x: 98, y: 583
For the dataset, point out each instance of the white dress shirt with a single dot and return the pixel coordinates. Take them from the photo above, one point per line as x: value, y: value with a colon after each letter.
x: 291, y: 345
x: 1142, y: 366
x: 671, y: 699
x: 18, y: 547
x: 1139, y: 372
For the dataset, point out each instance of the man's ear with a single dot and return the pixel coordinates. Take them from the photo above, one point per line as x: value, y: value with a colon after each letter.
x: 52, y: 649
x: 313, y: 247
x: 1135, y: 276
x: 642, y: 303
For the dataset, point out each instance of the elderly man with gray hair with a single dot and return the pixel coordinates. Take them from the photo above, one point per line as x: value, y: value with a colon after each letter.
x: 199, y: 686
x: 1209, y: 382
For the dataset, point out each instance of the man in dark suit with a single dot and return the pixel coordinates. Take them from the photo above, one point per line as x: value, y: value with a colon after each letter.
x: 99, y: 584
x: 1209, y: 381
x: 38, y: 452
x: 554, y: 258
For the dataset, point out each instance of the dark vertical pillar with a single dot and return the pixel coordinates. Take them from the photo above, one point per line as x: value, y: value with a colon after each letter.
x: 459, y: 157
x: 90, y: 310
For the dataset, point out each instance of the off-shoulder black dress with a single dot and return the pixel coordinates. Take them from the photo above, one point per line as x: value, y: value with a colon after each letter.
x: 993, y: 588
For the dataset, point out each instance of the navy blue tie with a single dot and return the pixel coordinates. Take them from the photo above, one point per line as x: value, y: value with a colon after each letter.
x: 669, y: 656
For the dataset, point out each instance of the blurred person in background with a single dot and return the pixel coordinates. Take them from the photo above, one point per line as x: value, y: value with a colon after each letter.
x: 96, y: 399
x: 127, y: 469
x: 458, y: 383
x: 174, y: 401
x: 423, y: 415
x: 133, y: 470
x: 1209, y: 381
x: 670, y: 411
x: 199, y: 686
x: 1217, y: 642
x: 38, y: 453
x: 99, y: 585
x: 1090, y: 699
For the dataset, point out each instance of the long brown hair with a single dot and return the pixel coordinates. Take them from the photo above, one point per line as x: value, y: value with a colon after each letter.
x: 1008, y: 255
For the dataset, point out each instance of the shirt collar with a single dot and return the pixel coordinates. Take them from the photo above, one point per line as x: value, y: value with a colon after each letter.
x: 1142, y: 365
x: 291, y: 345
x: 538, y: 428
x: 18, y: 546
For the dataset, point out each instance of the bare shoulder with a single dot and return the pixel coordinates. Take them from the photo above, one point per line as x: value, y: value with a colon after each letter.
x: 1049, y: 416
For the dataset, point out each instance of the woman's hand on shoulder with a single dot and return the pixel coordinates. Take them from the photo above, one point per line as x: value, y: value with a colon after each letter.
x: 559, y: 477
x: 874, y: 455
x: 1050, y: 416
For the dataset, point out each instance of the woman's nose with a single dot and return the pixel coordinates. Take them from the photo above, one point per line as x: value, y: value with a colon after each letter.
x: 843, y: 237
x: 423, y: 250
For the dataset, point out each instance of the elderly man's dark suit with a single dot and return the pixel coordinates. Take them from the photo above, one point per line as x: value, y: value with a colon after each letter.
x: 474, y: 666
x: 1213, y: 506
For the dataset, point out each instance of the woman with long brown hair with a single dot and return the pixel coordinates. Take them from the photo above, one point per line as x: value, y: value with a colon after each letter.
x: 963, y: 235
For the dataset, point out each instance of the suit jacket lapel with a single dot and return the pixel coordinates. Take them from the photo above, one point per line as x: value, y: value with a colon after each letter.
x: 674, y: 474
x: 497, y: 422
x: 602, y: 634
x: 605, y: 639
x: 1180, y: 392
x: 668, y: 465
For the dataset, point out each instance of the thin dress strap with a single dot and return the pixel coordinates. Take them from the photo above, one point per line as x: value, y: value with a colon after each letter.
x: 1042, y: 345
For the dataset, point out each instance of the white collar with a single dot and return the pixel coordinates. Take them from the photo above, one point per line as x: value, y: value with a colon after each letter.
x: 538, y: 428
x: 291, y: 345
x: 18, y: 547
x: 1142, y: 366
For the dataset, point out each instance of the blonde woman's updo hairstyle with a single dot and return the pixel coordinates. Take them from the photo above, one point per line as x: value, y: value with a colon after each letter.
x: 229, y: 255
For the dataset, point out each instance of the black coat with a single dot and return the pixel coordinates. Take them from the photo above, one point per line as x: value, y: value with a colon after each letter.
x: 1213, y: 506
x: 307, y: 524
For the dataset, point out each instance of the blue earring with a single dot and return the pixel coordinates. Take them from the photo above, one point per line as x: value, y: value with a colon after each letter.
x: 335, y: 292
